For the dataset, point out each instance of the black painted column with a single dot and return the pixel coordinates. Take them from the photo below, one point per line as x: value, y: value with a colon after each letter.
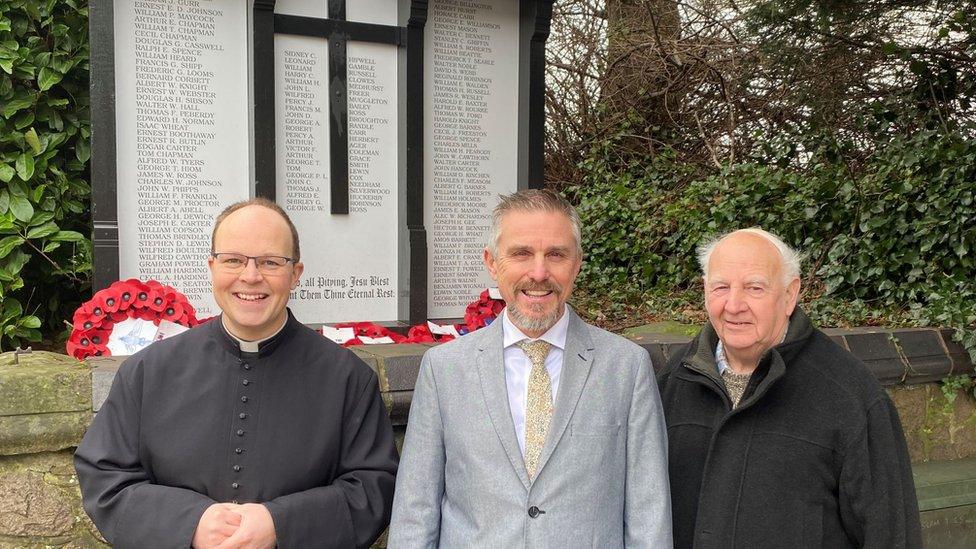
x: 104, y: 177
x: 338, y: 113
x: 264, y: 99
x: 537, y: 94
x: 415, y: 161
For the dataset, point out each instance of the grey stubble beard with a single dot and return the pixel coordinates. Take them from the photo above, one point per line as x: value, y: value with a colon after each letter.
x: 534, y: 324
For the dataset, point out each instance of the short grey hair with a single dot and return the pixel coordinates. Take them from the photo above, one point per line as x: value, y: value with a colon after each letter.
x: 789, y: 258
x: 532, y: 200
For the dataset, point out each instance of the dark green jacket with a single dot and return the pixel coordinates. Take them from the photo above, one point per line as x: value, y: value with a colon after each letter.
x: 814, y: 456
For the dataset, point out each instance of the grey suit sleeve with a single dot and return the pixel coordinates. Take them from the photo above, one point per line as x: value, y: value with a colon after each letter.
x: 117, y: 492
x: 647, y: 508
x: 420, y: 480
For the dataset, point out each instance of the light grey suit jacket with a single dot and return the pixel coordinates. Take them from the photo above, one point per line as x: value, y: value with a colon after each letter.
x: 602, y: 477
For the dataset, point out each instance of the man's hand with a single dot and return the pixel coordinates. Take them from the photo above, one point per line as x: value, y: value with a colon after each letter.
x: 256, y: 531
x: 217, y: 523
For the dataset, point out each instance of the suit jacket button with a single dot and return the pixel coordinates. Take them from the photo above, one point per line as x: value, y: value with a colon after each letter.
x: 534, y: 511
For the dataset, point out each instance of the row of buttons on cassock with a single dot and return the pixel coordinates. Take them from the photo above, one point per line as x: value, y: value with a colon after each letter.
x: 240, y: 432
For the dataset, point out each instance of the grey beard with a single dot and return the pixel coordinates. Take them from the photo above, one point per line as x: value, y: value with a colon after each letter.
x: 534, y: 324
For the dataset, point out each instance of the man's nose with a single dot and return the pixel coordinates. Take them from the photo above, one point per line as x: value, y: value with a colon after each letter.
x: 736, y: 300
x: 251, y: 272
x: 540, y: 268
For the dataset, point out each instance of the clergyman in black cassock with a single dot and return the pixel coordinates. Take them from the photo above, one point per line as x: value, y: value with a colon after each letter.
x: 293, y: 422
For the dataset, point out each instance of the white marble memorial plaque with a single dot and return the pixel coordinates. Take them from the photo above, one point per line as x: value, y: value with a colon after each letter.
x: 351, y: 261
x: 182, y: 135
x: 470, y: 140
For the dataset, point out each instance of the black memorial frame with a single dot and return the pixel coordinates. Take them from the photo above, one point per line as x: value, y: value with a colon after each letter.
x: 338, y: 32
x: 104, y: 174
x: 534, y: 26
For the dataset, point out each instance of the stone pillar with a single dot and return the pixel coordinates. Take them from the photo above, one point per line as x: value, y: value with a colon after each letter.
x: 45, y: 407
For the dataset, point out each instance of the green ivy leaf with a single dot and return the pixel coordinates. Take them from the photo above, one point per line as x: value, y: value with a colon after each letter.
x: 11, y: 308
x: 30, y: 322
x: 48, y: 77
x: 40, y: 218
x: 6, y: 173
x: 11, y: 107
x: 14, y: 262
x: 67, y: 236
x: 82, y: 150
x: 18, y: 188
x: 46, y: 229
x: 25, y: 166
x: 51, y: 246
x: 31, y: 137
x: 21, y: 208
x: 9, y: 244
x: 4, y: 201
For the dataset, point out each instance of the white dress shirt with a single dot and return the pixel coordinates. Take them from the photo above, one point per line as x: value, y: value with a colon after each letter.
x: 518, y: 367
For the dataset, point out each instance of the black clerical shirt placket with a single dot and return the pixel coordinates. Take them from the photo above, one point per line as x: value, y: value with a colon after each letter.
x: 240, y: 463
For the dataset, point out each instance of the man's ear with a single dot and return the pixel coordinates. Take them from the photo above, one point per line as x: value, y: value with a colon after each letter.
x: 490, y: 263
x: 792, y: 295
x: 296, y: 272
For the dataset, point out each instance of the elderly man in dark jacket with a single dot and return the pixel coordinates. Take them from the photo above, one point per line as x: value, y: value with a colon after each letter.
x: 778, y: 437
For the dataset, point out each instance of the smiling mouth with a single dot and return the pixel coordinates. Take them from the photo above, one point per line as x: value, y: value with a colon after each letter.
x: 536, y: 293
x: 737, y: 323
x: 249, y: 296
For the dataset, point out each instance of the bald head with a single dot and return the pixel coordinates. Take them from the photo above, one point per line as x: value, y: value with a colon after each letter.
x: 788, y: 258
x: 263, y: 203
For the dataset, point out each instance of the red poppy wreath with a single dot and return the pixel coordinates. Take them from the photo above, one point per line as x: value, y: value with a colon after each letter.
x: 100, y: 318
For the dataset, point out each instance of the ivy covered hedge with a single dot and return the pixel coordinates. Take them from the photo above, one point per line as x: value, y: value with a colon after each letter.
x: 45, y: 250
x: 892, y: 242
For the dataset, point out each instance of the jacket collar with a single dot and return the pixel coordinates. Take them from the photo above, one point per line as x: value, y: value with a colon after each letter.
x: 577, y: 360
x: 700, y: 357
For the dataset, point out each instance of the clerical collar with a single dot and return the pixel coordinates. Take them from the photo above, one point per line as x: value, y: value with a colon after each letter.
x: 252, y: 346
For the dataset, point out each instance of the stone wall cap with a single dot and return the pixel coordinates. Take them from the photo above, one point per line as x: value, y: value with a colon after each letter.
x: 43, y: 382
x: 942, y: 484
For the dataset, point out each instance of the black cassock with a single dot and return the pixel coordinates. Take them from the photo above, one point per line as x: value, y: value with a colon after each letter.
x: 190, y: 421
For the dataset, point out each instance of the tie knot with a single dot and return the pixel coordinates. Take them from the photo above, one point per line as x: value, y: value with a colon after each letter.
x: 536, y: 350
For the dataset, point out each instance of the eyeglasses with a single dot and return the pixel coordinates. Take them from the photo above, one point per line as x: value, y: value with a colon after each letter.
x: 266, y: 264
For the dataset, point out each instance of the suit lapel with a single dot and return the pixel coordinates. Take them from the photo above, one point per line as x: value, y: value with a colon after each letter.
x: 491, y: 370
x: 577, y: 360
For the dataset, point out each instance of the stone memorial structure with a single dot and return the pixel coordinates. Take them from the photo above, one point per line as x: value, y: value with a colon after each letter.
x: 386, y: 129
x: 47, y: 400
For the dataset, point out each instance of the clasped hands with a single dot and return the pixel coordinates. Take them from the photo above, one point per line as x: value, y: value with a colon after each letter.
x: 232, y: 526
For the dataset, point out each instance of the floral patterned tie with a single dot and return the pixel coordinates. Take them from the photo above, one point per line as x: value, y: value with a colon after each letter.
x: 538, y: 404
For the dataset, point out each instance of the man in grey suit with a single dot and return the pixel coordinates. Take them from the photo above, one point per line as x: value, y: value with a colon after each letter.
x: 538, y: 430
